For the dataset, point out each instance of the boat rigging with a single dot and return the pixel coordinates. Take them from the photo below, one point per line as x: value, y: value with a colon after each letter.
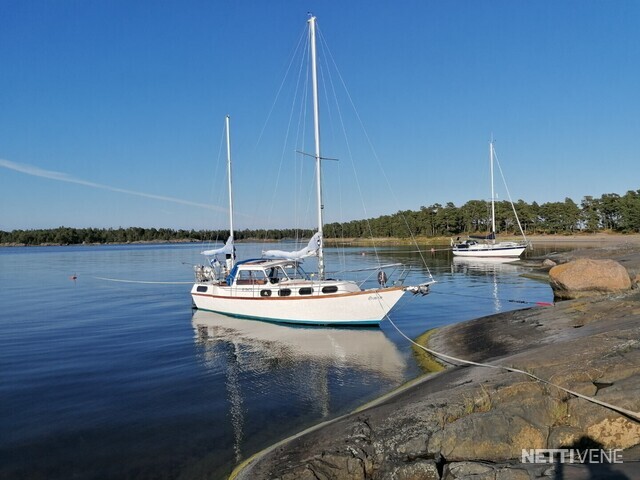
x: 275, y: 287
x: 486, y: 245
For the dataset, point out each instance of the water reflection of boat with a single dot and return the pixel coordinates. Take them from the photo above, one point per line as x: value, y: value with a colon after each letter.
x: 489, y: 268
x: 363, y: 349
x: 484, y: 264
x: 307, y: 357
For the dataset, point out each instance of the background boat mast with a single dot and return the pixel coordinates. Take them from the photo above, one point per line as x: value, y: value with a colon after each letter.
x: 493, y: 207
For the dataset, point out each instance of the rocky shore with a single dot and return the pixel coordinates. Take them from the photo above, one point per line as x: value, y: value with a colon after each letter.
x: 474, y: 421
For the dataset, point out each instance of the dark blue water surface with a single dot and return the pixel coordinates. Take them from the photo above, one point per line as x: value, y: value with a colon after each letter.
x: 103, y: 379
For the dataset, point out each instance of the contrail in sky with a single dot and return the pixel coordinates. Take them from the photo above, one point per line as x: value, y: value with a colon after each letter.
x: 63, y: 177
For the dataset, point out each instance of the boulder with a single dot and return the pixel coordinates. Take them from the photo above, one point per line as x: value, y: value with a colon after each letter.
x: 548, y: 263
x: 585, y: 277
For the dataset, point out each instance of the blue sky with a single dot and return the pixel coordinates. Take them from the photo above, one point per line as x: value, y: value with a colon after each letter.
x: 112, y: 112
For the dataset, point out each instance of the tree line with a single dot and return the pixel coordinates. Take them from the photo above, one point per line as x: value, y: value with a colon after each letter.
x: 75, y: 236
x: 610, y: 212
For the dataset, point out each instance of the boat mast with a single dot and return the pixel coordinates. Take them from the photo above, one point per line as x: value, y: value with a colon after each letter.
x: 230, y: 187
x: 316, y: 124
x: 493, y: 207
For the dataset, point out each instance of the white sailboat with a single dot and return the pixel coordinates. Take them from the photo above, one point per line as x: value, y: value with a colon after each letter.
x: 486, y: 246
x: 275, y: 288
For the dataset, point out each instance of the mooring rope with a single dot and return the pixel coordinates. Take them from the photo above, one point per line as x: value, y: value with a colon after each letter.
x: 508, y: 300
x: 141, y: 281
x: 453, y: 360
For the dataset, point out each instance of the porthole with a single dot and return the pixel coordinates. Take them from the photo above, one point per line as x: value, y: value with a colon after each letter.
x: 265, y: 293
x: 305, y: 291
x: 330, y: 289
x: 284, y: 292
x: 202, y: 288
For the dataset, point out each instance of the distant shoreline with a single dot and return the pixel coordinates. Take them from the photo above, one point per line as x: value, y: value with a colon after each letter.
x: 582, y: 238
x: 596, y: 238
x: 136, y: 242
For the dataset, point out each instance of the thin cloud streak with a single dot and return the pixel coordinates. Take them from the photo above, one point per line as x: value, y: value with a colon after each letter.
x: 63, y: 177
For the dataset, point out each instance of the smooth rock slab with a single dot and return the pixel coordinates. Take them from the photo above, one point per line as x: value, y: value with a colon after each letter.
x: 419, y: 470
x: 492, y: 436
x: 482, y: 471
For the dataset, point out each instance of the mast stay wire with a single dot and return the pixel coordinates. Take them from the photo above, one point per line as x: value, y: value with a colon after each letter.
x: 300, y: 93
x: 284, y: 78
x: 375, y: 155
x: 504, y: 181
x: 323, y: 42
x: 300, y: 139
x: 213, y: 186
x: 342, y: 255
x: 289, y: 121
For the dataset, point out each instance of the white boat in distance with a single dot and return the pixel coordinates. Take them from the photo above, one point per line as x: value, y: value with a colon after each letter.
x: 486, y: 246
x: 275, y: 288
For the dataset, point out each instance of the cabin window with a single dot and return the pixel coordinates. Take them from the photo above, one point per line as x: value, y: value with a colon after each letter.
x: 276, y: 274
x: 265, y: 293
x: 294, y: 271
x: 305, y: 291
x: 251, y: 277
x: 284, y: 292
x: 202, y: 288
x: 330, y: 289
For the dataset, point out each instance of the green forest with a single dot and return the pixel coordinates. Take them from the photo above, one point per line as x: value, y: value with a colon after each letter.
x: 611, y: 212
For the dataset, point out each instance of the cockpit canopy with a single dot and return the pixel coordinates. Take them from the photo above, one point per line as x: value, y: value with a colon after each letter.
x: 262, y: 272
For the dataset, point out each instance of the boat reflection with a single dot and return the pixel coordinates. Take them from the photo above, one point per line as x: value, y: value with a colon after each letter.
x: 306, y: 365
x: 368, y: 350
x: 490, y: 269
x: 483, y: 265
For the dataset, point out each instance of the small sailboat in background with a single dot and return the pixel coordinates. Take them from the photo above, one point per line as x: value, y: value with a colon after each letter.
x: 276, y: 288
x: 486, y: 246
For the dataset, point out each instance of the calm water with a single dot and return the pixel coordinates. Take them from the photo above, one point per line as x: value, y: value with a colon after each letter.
x: 104, y: 379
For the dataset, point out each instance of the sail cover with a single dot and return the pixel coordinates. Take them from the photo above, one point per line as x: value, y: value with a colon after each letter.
x: 310, y: 250
x: 227, y: 249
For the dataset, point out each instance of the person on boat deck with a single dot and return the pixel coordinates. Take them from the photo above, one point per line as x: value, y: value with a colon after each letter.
x: 273, y: 275
x: 216, y: 266
x: 228, y: 262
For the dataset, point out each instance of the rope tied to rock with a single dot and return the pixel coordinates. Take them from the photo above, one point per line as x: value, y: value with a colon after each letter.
x: 454, y: 360
x: 507, y: 300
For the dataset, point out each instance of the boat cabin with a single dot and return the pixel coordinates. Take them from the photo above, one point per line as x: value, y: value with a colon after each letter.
x: 263, y: 272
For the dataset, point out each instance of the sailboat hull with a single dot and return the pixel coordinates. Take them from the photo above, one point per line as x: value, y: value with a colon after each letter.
x: 362, y: 308
x: 487, y: 250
